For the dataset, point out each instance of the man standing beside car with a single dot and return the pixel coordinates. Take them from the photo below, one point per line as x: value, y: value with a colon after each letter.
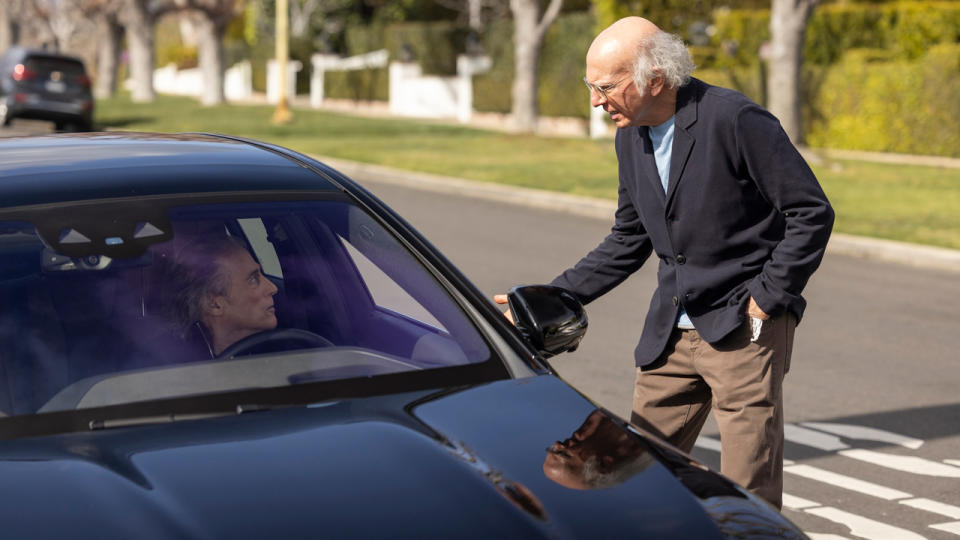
x: 709, y: 182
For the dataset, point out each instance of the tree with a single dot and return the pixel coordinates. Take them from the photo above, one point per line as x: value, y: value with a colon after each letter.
x: 788, y: 26
x: 139, y: 19
x: 106, y: 15
x: 10, y: 21
x: 529, y: 31
x: 210, y: 19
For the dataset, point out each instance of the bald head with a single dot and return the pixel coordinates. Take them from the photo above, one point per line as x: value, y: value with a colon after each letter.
x: 617, y: 45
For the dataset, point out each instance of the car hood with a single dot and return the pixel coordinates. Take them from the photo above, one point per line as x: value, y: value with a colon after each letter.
x: 459, y: 463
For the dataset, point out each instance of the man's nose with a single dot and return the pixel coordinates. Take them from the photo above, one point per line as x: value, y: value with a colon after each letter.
x: 597, y: 99
x: 271, y: 288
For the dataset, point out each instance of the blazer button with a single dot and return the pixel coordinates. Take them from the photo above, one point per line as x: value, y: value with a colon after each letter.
x: 681, y: 259
x: 676, y: 301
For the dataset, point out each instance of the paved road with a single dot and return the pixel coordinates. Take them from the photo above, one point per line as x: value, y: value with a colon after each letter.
x: 26, y: 127
x: 871, y: 398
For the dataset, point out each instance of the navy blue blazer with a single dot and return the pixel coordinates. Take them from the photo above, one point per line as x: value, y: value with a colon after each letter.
x: 743, y: 216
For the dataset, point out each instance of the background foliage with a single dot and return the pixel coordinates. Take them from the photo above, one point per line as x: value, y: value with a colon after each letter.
x: 877, y: 75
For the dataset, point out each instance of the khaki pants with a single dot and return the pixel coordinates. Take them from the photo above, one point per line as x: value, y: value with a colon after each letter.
x: 743, y: 380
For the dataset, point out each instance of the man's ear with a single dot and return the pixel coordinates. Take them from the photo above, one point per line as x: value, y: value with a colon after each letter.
x: 213, y: 305
x: 656, y: 82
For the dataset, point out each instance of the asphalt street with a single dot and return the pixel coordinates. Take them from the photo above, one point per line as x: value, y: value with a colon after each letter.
x: 873, y: 413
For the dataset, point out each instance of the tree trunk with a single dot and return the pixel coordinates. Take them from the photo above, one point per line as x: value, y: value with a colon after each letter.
x: 138, y: 24
x: 108, y: 52
x: 475, y: 15
x: 788, y: 25
x: 526, y: 52
x: 6, y: 28
x: 210, y: 57
x: 528, y: 34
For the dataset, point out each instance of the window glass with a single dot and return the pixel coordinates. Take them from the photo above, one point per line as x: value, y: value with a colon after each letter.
x: 263, y: 251
x: 386, y: 292
x: 187, y: 308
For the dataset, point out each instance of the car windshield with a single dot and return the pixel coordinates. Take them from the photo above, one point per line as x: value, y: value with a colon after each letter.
x: 106, y: 304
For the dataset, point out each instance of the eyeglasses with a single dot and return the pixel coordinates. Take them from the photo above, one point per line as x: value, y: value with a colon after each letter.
x: 602, y: 90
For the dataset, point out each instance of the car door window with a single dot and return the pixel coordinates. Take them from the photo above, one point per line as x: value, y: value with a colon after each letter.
x: 386, y: 292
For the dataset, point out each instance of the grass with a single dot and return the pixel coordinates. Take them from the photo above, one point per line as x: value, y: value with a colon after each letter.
x: 900, y: 202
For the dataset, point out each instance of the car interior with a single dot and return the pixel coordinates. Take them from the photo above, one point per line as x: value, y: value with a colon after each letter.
x: 82, y: 322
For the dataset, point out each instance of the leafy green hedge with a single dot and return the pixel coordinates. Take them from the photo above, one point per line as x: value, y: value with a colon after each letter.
x: 905, y: 29
x: 894, y: 106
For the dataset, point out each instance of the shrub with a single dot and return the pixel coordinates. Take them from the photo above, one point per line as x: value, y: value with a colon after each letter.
x: 903, y: 106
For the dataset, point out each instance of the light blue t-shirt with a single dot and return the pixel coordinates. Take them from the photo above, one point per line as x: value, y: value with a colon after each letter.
x: 662, y: 138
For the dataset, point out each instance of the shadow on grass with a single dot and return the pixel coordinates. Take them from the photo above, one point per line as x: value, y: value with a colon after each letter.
x: 121, y: 122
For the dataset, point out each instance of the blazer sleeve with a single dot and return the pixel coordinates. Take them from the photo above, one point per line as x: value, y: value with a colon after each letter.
x: 620, y: 254
x: 787, y: 183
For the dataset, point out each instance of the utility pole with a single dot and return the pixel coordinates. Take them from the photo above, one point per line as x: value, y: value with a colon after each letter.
x: 282, y: 114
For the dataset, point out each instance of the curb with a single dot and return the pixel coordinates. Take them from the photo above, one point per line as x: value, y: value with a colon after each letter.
x: 840, y: 244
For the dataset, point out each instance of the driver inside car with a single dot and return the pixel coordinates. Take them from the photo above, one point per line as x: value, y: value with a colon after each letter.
x: 219, y: 294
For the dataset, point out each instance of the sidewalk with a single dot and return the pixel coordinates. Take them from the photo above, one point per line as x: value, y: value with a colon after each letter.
x: 841, y: 244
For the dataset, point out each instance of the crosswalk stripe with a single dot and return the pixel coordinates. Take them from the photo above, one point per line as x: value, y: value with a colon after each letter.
x: 955, y: 462
x: 816, y: 439
x: 953, y: 527
x: 820, y: 536
x: 936, y: 507
x: 910, y: 464
x: 847, y: 482
x: 707, y: 444
x: 864, y: 433
x: 864, y: 527
x: 797, y: 503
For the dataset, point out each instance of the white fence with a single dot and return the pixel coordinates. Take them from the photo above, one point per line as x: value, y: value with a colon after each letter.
x: 411, y: 93
x: 237, y: 81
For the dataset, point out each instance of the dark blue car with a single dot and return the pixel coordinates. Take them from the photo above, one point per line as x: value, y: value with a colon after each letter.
x: 207, y: 337
x: 45, y: 85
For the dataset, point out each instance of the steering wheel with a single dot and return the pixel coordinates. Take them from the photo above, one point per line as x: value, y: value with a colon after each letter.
x: 304, y: 338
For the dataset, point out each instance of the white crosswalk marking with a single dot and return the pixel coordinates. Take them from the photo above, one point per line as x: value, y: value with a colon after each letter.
x: 953, y: 527
x: 861, y: 526
x: 863, y: 433
x: 864, y: 527
x: 707, y: 444
x: 797, y: 503
x: 943, y: 509
x: 816, y: 439
x: 910, y: 464
x: 847, y: 482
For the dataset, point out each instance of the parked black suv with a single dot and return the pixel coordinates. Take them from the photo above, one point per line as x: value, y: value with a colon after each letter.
x: 45, y: 85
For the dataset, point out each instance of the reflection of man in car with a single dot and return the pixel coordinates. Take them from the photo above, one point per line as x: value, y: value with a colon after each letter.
x: 599, y: 454
x: 219, y: 292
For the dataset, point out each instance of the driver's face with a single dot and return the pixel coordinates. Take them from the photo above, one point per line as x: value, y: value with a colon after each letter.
x: 248, y: 304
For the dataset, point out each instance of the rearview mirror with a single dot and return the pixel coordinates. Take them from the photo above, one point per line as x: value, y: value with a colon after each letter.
x: 549, y: 317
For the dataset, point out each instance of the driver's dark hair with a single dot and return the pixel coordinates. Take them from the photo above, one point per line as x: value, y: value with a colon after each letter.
x: 187, y: 274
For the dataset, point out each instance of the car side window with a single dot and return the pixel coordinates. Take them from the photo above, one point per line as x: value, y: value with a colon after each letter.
x: 256, y: 233
x: 386, y: 292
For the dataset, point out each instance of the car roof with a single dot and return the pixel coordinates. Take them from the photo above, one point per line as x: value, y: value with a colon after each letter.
x: 72, y: 167
x: 17, y: 52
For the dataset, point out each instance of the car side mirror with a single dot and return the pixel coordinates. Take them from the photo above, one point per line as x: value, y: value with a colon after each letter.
x: 550, y: 318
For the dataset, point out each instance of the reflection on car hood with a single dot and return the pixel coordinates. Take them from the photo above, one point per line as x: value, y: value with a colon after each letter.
x: 466, y: 462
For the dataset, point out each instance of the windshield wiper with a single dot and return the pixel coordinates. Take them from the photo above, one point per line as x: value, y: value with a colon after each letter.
x: 168, y: 418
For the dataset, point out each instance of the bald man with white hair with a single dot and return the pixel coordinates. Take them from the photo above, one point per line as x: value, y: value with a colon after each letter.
x: 711, y: 184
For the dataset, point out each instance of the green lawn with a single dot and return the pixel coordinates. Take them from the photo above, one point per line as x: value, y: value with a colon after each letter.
x: 909, y: 203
